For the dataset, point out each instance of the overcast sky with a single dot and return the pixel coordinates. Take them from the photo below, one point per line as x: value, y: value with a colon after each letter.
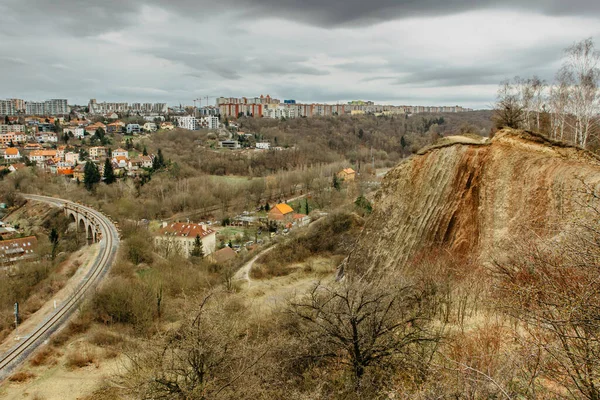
x: 426, y: 52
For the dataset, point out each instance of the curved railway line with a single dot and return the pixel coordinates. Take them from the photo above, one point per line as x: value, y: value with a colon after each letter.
x: 109, y: 245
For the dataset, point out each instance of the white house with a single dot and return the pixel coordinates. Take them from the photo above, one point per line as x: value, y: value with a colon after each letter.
x: 12, y: 153
x: 120, y: 153
x: 133, y: 128
x: 150, y: 127
x: 77, y: 132
x: 263, y: 145
x: 180, y: 237
x: 72, y: 158
x: 46, y: 137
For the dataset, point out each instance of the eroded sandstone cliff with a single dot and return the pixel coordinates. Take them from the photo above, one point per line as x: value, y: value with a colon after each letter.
x: 470, y: 196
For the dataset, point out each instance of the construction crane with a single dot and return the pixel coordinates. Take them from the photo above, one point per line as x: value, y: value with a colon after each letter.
x: 196, y: 108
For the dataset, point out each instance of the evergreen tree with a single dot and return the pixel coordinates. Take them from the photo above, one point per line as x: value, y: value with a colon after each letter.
x: 161, y: 160
x: 336, y: 182
x: 267, y: 208
x: 306, y: 206
x: 361, y: 133
x: 91, y: 175
x: 109, y: 172
x: 197, y: 250
x: 145, y: 152
x: 54, y: 240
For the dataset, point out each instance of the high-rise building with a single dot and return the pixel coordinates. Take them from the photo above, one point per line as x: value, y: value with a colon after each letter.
x: 6, y: 107
x: 56, y: 106
x: 34, y: 108
x: 18, y: 105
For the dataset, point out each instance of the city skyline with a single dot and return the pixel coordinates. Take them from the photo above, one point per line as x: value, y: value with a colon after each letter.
x: 391, y: 52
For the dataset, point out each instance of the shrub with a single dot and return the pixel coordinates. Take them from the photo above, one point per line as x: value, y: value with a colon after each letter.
x: 21, y: 376
x: 80, y: 359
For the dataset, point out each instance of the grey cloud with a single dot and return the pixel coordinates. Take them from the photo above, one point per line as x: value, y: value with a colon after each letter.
x: 87, y: 17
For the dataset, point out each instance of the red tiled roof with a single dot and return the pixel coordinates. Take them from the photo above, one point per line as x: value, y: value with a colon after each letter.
x: 185, y: 230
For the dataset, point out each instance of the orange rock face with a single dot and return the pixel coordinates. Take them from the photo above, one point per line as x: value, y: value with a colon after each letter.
x: 468, y: 198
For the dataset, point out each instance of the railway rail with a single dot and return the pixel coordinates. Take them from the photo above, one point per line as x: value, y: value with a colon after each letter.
x: 109, y: 245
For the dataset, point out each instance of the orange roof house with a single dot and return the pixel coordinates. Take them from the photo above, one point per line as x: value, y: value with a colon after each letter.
x: 281, y: 212
x: 347, y: 174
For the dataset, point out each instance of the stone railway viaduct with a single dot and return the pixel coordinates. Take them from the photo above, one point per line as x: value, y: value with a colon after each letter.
x: 86, y: 221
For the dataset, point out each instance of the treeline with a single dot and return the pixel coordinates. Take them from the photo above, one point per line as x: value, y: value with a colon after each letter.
x: 567, y: 109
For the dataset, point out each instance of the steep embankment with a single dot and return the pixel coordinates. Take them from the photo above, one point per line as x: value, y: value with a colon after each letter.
x: 470, y: 197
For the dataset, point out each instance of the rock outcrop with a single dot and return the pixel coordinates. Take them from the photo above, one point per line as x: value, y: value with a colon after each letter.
x: 469, y: 196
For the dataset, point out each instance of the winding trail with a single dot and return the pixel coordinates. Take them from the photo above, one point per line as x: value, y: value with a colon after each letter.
x: 109, y: 244
x: 243, y: 274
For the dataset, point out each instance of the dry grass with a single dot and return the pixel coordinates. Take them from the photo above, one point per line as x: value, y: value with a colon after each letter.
x: 22, y: 376
x: 80, y: 358
x: 45, y: 356
x: 102, y: 338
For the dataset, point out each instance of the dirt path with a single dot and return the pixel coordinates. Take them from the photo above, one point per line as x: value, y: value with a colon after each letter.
x: 243, y: 274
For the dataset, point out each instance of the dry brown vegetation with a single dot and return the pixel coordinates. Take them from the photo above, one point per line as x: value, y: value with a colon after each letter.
x: 329, y: 236
x: 20, y: 377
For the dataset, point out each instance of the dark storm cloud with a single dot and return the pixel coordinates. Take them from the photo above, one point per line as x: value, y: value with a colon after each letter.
x: 361, y: 12
x: 92, y: 16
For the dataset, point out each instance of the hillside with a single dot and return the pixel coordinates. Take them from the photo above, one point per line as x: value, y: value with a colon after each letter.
x: 469, y: 198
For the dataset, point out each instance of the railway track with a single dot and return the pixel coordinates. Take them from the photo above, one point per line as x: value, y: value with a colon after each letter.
x: 109, y: 245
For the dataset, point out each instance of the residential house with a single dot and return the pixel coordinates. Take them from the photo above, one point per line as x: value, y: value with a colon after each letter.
x: 120, y: 161
x: 133, y: 128
x: 98, y: 152
x: 17, y: 167
x: 12, y: 153
x: 41, y: 156
x: 63, y: 168
x: 180, y: 237
x: 46, y: 137
x: 115, y: 127
x: 347, y: 174
x: 223, y: 256
x: 13, y: 250
x: 140, y: 162
x: 150, y: 127
x: 76, y: 131
x: 78, y: 172
x: 111, y: 116
x: 281, y: 213
x: 72, y: 158
x: 120, y: 153
x: 263, y: 145
x: 33, y: 146
x: 167, y: 126
x: 301, y: 220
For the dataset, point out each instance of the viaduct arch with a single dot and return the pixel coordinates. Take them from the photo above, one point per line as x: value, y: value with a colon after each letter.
x: 86, y: 222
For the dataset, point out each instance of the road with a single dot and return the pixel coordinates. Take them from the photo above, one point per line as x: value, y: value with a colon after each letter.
x: 109, y: 245
x: 243, y: 274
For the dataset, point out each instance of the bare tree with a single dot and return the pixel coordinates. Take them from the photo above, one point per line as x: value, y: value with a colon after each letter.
x: 364, y: 324
x: 553, y: 287
x: 580, y: 73
x: 509, y: 112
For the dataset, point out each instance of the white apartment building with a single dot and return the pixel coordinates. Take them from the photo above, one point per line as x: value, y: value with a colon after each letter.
x: 281, y: 111
x: 11, y: 128
x: 145, y: 108
x: 210, y: 122
x: 188, y: 122
x: 7, y: 108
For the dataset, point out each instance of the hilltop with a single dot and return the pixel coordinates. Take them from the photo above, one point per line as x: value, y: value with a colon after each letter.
x: 470, y: 196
